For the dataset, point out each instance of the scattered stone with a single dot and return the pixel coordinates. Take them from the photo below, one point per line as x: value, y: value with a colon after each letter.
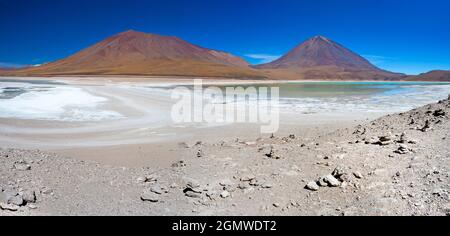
x: 179, y: 164
x: 224, y: 194
x: 200, y: 153
x: 272, y: 154
x: 321, y: 182
x: 22, y: 166
x: 46, y: 191
x: 150, y: 179
x: 402, y: 149
x: 248, y: 178
x: 267, y: 185
x: 226, y: 182
x: 358, y: 175
x: 140, y: 180
x: 192, y: 194
x: 148, y: 196
x: 339, y: 171
x: 426, y: 127
x: 292, y: 136
x: 157, y: 189
x: 8, y: 207
x: 276, y: 204
x: 29, y: 196
x: 332, y: 181
x: 16, y: 200
x: 191, y: 183
x: 312, y: 186
x: 439, y: 113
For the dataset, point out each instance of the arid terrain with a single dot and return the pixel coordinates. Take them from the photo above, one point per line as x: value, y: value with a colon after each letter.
x: 141, y: 54
x: 395, y: 165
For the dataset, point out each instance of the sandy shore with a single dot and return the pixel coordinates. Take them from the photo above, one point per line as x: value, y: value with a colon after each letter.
x: 147, y: 128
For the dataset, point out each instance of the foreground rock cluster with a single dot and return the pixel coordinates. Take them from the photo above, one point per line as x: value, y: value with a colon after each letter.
x: 396, y: 165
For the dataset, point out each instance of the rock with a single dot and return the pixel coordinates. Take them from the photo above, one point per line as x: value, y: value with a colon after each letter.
x: 192, y: 194
x: 7, y: 195
x: 191, y: 183
x: 8, y: 207
x: 402, y: 149
x: 254, y: 182
x: 140, y: 180
x: 272, y: 154
x: 148, y: 196
x: 385, y: 138
x: 46, y: 191
x: 22, y: 167
x: 332, y: 181
x: 439, y: 113
x: 338, y: 171
x: 29, y: 196
x: 358, y: 175
x: 179, y: 164
x: 200, y: 153
x: 242, y: 186
x: 224, y: 194
x: 426, y: 127
x: 16, y: 200
x: 150, y: 178
x: 157, y: 189
x: 226, y: 182
x: 403, y: 138
x: 247, y: 178
x: 321, y: 182
x: 267, y: 185
x: 312, y: 186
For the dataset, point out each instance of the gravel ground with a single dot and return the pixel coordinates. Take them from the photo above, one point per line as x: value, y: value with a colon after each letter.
x: 396, y: 165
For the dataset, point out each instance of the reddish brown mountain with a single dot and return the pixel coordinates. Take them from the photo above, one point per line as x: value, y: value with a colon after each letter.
x: 137, y: 53
x: 322, y: 58
x: 320, y: 51
x: 435, y: 75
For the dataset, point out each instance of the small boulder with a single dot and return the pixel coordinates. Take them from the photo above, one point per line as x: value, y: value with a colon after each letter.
x: 358, y: 175
x: 332, y: 181
x: 29, y: 196
x: 148, y: 196
x: 224, y: 194
x: 312, y: 186
x: 8, y: 207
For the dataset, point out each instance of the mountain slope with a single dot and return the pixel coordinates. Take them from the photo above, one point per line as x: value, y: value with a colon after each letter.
x: 322, y: 58
x: 436, y: 75
x: 137, y: 53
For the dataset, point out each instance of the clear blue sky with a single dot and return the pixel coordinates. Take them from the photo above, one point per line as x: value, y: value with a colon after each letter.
x: 409, y: 36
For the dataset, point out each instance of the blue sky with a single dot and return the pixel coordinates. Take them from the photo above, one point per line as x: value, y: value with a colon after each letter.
x: 408, y: 36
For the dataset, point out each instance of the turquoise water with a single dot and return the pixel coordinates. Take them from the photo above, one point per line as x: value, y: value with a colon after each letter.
x: 317, y: 97
x: 342, y: 89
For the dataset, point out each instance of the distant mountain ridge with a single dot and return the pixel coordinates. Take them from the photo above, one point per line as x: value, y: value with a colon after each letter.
x: 435, y: 75
x: 143, y: 54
